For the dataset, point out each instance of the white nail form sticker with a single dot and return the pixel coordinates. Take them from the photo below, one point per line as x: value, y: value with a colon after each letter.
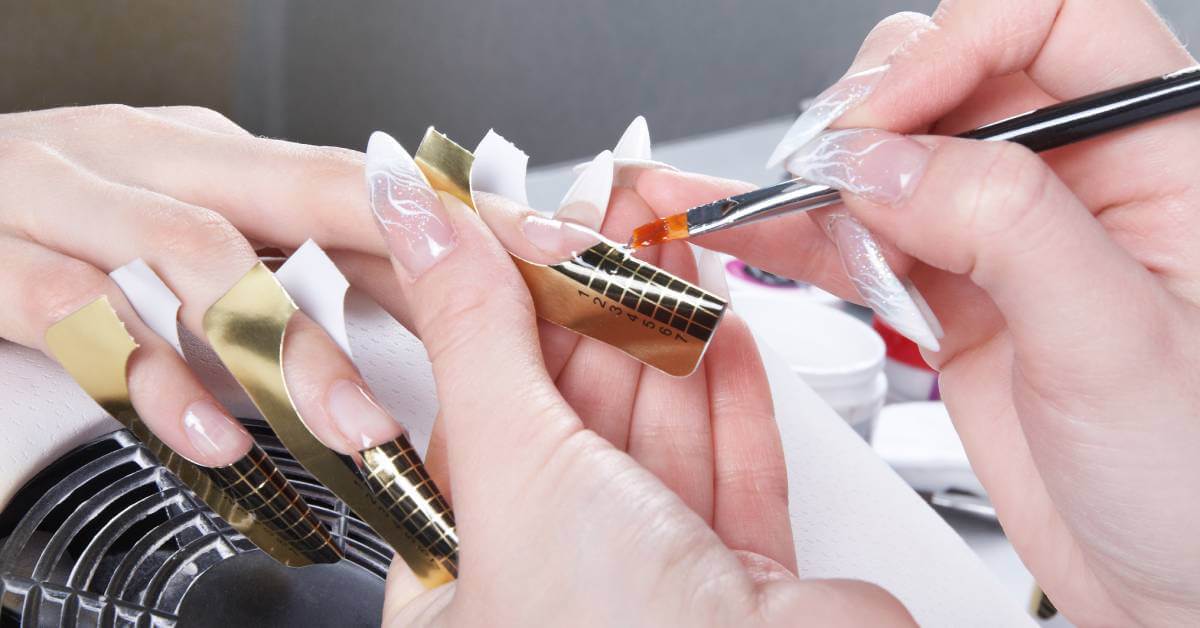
x: 151, y: 299
x: 319, y: 289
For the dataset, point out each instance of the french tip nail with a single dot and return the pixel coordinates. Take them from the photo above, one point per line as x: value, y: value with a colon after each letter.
x: 712, y: 273
x: 826, y: 109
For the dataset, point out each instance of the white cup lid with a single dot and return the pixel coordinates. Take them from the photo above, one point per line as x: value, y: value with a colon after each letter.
x: 823, y: 345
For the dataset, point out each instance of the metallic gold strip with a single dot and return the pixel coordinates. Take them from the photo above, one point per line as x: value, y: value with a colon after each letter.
x: 397, y: 476
x: 258, y: 485
x: 93, y: 346
x: 605, y: 293
x: 246, y: 328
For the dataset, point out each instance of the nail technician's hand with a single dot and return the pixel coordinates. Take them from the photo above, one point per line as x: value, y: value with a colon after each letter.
x: 1067, y: 283
x: 86, y: 190
x: 557, y: 526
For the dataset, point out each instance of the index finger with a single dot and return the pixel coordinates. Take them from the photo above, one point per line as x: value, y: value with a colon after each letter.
x: 1054, y: 42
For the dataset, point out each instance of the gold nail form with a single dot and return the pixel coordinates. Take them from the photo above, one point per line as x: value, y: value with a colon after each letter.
x: 94, y: 348
x: 604, y: 293
x: 386, y: 485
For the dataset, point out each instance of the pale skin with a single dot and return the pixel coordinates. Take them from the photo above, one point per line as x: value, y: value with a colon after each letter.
x: 1068, y: 302
x: 1067, y: 285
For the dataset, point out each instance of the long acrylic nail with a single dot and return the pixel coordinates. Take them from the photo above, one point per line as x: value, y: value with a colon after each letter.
x: 214, y: 434
x: 557, y: 239
x: 711, y: 272
x: 879, y: 166
x: 356, y: 415
x: 410, y: 215
x: 586, y: 202
x: 892, y: 299
x: 825, y: 109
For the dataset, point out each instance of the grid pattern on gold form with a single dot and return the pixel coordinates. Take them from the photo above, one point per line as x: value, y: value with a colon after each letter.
x: 649, y: 291
x: 258, y: 485
x: 399, y: 482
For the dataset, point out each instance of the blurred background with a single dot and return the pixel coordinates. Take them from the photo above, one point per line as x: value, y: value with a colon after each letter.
x: 560, y: 79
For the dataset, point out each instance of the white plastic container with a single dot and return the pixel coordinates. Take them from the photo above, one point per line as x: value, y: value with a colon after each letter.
x: 836, y: 354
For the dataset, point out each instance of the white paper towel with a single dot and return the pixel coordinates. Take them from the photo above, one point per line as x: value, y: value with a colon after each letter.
x: 852, y: 516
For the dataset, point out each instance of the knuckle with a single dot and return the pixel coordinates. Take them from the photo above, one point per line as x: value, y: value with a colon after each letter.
x: 1007, y: 192
x: 108, y: 113
x: 75, y: 284
x: 461, y: 320
x: 203, y: 117
x: 25, y: 152
x: 194, y: 232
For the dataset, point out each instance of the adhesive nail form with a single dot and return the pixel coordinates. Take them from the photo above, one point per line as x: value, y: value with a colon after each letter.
x: 319, y: 288
x: 153, y: 301
x: 603, y: 292
x: 498, y: 181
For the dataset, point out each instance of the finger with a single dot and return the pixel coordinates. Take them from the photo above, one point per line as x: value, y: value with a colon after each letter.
x: 1053, y: 41
x: 750, y: 490
x: 864, y: 75
x: 501, y: 410
x: 789, y: 246
x: 671, y: 434
x: 598, y: 380
x: 997, y: 213
x: 201, y: 118
x: 44, y: 287
x: 199, y: 256
x: 273, y: 191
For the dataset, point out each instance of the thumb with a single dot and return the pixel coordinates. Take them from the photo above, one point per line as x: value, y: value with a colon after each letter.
x: 475, y: 317
x: 998, y: 214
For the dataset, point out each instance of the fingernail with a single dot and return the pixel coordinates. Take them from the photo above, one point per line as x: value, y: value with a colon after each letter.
x: 712, y: 273
x: 879, y: 166
x: 898, y: 303
x: 214, y: 434
x: 586, y: 202
x: 414, y: 223
x: 635, y: 141
x: 561, y: 240
x: 825, y: 109
x: 360, y: 420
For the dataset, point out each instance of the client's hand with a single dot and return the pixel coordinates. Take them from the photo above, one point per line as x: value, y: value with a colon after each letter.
x: 86, y: 190
x: 670, y: 510
x: 1068, y: 286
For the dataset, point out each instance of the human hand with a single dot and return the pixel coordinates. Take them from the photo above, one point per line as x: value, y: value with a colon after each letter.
x: 1066, y: 283
x: 619, y: 513
x: 86, y: 190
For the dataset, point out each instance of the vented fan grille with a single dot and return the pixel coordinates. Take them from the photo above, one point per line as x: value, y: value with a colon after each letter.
x: 105, y: 536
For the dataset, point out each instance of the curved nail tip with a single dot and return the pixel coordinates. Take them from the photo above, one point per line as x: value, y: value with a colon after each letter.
x: 382, y: 148
x: 711, y: 272
x: 930, y: 318
x: 586, y: 201
x: 796, y: 136
x: 635, y: 141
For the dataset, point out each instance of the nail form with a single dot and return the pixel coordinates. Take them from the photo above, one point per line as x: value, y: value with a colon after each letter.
x: 94, y: 347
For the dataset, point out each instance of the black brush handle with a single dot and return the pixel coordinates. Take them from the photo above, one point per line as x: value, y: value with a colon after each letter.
x: 1096, y: 114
